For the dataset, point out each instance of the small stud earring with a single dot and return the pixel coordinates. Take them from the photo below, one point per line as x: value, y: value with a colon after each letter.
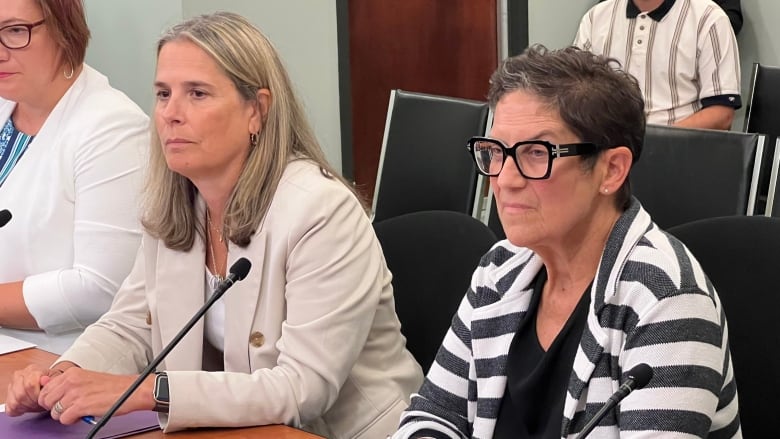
x: 605, y: 190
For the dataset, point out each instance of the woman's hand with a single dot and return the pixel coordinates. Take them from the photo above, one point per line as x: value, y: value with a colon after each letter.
x: 77, y: 392
x: 26, y: 386
x: 23, y: 391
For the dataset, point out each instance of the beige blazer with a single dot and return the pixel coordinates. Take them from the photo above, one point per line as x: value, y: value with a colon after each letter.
x: 311, y: 335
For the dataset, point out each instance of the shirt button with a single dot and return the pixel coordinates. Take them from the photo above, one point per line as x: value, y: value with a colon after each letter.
x: 149, y: 318
x: 642, y: 16
x: 257, y: 339
x: 639, y: 41
x: 641, y: 28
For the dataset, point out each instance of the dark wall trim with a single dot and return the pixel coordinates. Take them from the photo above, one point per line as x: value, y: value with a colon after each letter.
x: 517, y: 26
x: 345, y: 88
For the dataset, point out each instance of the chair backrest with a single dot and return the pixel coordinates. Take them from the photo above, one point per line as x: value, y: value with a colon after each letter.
x: 763, y: 104
x: 432, y: 256
x: 761, y: 110
x: 424, y: 164
x: 772, y: 201
x: 739, y: 255
x: 687, y: 174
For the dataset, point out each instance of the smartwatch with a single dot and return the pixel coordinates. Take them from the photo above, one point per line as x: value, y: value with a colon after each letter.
x: 161, y: 396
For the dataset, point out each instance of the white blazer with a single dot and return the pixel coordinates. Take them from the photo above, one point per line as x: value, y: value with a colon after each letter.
x: 74, y: 200
x: 311, y: 335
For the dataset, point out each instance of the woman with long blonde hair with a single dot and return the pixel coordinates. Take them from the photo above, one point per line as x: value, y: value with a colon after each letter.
x: 310, y: 338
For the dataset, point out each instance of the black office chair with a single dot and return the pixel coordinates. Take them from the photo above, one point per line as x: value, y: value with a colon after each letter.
x: 763, y: 104
x: 739, y: 255
x: 761, y: 110
x: 772, y: 207
x: 423, y: 164
x: 687, y: 174
x: 432, y: 256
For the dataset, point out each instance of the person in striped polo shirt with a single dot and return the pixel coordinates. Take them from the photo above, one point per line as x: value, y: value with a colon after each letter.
x: 733, y: 9
x: 683, y: 53
x: 585, y: 287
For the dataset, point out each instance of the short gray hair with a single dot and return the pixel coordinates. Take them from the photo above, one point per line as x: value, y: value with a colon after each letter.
x: 596, y: 100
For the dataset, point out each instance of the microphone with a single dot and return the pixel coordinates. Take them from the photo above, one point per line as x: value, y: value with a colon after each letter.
x: 638, y: 377
x: 238, y: 271
x: 5, y: 216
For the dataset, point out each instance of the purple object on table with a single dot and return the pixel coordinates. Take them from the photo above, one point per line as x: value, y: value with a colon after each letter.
x: 41, y: 425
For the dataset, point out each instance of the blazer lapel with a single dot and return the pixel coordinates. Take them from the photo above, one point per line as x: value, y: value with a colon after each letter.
x: 241, y: 304
x: 179, y: 293
x: 489, y: 326
x: 627, y: 231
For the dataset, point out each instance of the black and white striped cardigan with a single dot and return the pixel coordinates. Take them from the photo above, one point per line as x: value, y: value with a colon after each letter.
x: 650, y: 303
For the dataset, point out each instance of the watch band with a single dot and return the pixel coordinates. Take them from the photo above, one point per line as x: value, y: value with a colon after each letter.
x: 160, y: 394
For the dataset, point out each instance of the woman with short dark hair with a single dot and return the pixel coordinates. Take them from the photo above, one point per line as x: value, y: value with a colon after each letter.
x: 585, y: 288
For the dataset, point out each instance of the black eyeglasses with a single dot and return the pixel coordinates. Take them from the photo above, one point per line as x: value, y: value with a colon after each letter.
x: 17, y: 36
x: 533, y: 158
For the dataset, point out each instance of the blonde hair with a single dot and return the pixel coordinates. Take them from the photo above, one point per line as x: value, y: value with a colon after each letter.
x: 249, y: 59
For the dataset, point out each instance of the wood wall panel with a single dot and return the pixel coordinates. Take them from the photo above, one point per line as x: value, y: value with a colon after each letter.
x: 445, y: 47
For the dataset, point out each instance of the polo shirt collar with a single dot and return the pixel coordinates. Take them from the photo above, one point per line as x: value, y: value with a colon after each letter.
x: 656, y: 14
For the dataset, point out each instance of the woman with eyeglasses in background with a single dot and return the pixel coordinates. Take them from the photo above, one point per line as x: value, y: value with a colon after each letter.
x: 71, y: 149
x: 586, y: 290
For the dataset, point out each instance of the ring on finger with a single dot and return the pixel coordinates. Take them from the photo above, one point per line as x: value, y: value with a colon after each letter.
x: 58, y: 408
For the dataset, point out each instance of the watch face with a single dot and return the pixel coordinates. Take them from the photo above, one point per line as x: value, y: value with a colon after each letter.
x: 161, y: 388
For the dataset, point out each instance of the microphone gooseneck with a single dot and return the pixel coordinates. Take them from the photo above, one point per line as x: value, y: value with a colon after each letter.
x: 637, y: 378
x: 238, y: 271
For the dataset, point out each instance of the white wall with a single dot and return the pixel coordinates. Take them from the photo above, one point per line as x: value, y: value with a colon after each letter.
x: 554, y: 23
x: 304, y: 33
x: 124, y: 33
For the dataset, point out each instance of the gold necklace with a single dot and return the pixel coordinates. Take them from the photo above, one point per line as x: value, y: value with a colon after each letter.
x: 211, y: 226
x: 211, y: 245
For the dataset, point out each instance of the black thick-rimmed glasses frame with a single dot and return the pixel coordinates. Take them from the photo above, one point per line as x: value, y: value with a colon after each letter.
x: 553, y: 151
x: 29, y: 28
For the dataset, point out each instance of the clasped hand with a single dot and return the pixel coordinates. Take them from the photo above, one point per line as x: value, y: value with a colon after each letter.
x: 71, y: 393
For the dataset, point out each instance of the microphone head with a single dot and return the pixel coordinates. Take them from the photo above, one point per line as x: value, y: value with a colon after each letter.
x: 5, y: 216
x: 240, y: 268
x: 641, y: 375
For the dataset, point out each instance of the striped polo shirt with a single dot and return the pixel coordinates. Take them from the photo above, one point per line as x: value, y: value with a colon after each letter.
x: 683, y: 53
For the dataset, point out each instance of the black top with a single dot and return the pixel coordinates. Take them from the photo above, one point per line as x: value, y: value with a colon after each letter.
x: 537, y: 381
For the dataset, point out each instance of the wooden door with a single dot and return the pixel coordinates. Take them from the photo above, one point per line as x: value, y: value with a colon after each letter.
x: 444, y: 47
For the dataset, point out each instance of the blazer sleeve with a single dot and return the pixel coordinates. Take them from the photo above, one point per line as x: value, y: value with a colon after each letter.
x: 107, y: 179
x: 440, y: 408
x: 333, y: 269
x: 682, y: 335
x: 120, y: 342
x: 446, y: 403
